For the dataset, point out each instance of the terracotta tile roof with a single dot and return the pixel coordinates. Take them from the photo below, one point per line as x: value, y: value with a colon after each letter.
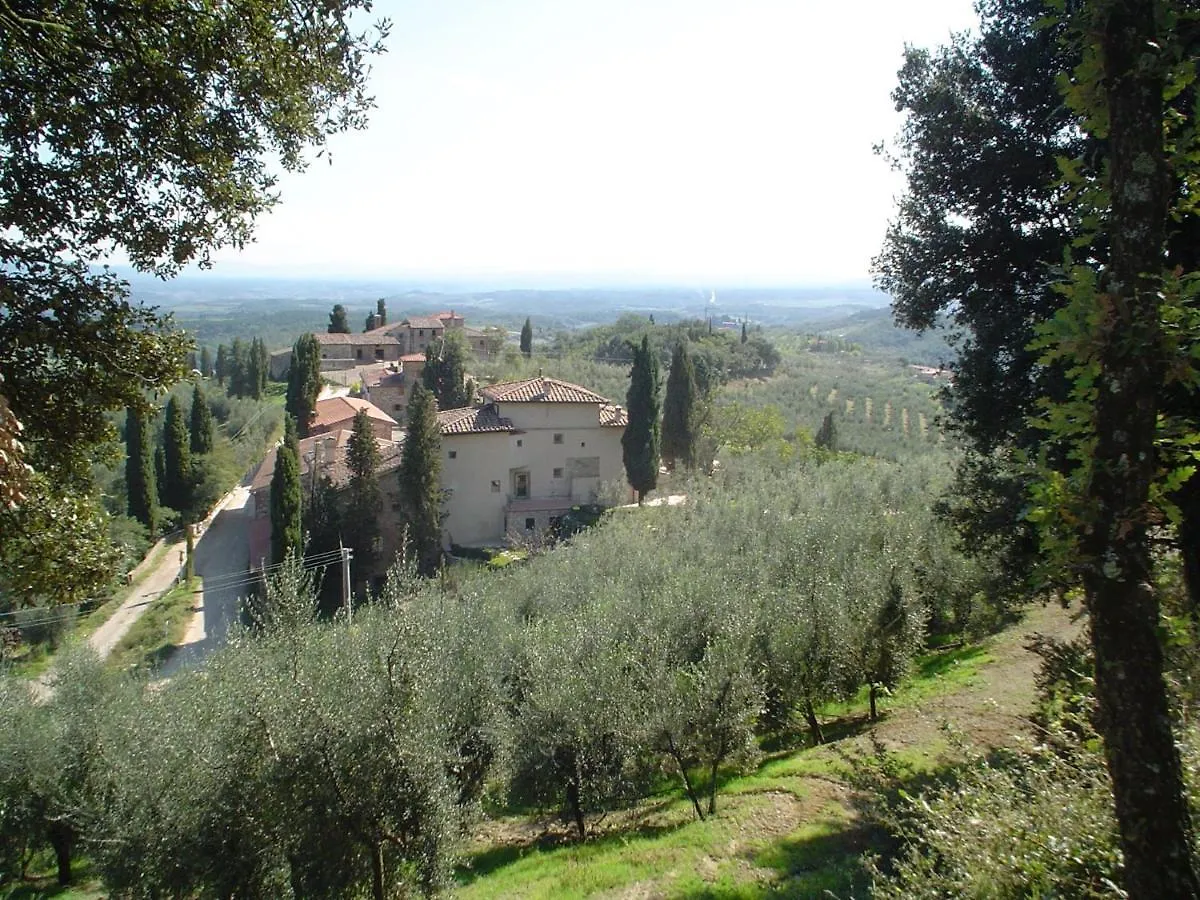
x: 473, y: 420
x: 333, y: 459
x: 413, y: 357
x: 339, y: 409
x: 613, y: 416
x: 370, y: 338
x: 540, y: 390
x: 383, y: 378
x: 425, y: 322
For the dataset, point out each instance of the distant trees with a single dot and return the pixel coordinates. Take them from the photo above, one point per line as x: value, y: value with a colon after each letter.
x: 140, y: 487
x: 337, y: 321
x: 640, y: 442
x: 201, y: 432
x: 826, y: 437
x: 176, y: 488
x: 287, y: 539
x: 420, y: 481
x: 445, y: 371
x: 221, y: 368
x: 304, y: 382
x: 363, y: 500
x: 527, y: 338
x: 681, y: 413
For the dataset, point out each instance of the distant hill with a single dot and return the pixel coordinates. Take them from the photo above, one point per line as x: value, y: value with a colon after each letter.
x: 875, y: 330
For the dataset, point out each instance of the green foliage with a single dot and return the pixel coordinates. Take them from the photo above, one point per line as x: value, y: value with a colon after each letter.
x: 527, y: 339
x: 176, y: 489
x: 445, y: 371
x: 337, y: 320
x: 420, y: 476
x: 201, y: 432
x: 304, y: 382
x: 363, y: 500
x: 141, y: 488
x: 681, y: 412
x: 826, y: 438
x: 286, y: 536
x: 221, y: 367
x: 640, y: 442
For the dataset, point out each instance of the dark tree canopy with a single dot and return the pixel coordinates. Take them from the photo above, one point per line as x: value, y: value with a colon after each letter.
x: 202, y: 423
x: 445, y: 372
x: 421, y: 481
x: 286, y: 534
x: 177, y: 457
x: 363, y: 500
x: 681, y: 412
x: 527, y: 338
x: 338, y: 323
x: 304, y: 382
x: 140, y: 487
x: 640, y: 442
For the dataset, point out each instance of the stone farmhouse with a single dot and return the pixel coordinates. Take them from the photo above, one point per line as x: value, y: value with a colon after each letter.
x: 518, y: 463
x: 385, y: 344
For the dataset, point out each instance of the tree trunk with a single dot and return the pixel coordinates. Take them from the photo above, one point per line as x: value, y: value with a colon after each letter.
x: 377, y: 886
x: 874, y: 694
x: 814, y: 724
x: 1152, y: 814
x: 575, y: 807
x: 61, y: 839
x: 687, y: 781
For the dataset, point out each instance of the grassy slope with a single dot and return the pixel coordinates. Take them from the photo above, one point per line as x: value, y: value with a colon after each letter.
x: 158, y: 631
x: 788, y: 829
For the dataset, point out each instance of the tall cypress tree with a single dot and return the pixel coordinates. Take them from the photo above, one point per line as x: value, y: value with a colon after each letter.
x: 205, y: 362
x: 177, y: 459
x: 420, y: 481
x: 264, y: 366
x: 640, y: 442
x: 222, y: 364
x: 304, y: 382
x: 202, y: 423
x: 445, y: 372
x: 827, y: 435
x: 363, y: 498
x: 286, y: 534
x: 681, y: 414
x: 237, y: 364
x: 381, y: 312
x: 140, y: 488
x: 527, y: 338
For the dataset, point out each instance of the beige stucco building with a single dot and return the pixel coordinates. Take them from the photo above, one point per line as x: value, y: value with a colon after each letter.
x: 537, y: 447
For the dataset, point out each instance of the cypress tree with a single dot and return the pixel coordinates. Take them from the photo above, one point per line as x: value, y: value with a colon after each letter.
x: 640, y: 442
x: 337, y: 320
x: 140, y: 488
x: 363, y: 498
x: 743, y: 331
x: 264, y: 367
x: 239, y: 361
x: 286, y: 535
x: 445, y: 372
x: 680, y: 411
x: 381, y: 312
x: 202, y: 423
x: 826, y: 437
x: 160, y: 472
x: 304, y: 382
x: 177, y: 459
x: 527, y: 338
x: 205, y: 362
x: 222, y: 365
x: 254, y: 378
x: 420, y: 481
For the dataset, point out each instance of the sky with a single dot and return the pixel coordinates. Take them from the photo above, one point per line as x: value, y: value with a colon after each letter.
x: 697, y: 142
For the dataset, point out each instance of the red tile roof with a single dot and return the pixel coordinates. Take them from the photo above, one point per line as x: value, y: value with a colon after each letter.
x: 369, y: 338
x: 334, y: 464
x: 425, y: 322
x: 339, y: 409
x: 540, y: 390
x: 473, y: 420
x: 613, y: 416
x: 382, y: 378
x: 413, y: 357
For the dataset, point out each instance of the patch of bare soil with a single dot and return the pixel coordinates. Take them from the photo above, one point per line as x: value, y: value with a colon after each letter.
x: 994, y: 711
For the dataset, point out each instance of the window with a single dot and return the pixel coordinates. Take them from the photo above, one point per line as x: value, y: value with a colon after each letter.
x: 520, y: 443
x: 396, y: 407
x: 358, y: 353
x: 495, y: 487
x: 583, y: 443
x: 421, y: 333
x: 453, y: 454
x: 520, y: 482
x: 530, y: 524
x: 558, y: 472
x: 558, y: 438
x: 379, y: 353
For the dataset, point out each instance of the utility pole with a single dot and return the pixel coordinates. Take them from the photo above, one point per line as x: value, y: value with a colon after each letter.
x: 347, y: 553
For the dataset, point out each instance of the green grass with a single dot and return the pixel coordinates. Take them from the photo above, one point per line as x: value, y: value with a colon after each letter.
x: 41, y: 883
x: 154, y: 636
x: 779, y: 831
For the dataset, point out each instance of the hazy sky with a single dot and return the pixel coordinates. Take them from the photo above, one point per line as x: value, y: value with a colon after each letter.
x: 692, y: 141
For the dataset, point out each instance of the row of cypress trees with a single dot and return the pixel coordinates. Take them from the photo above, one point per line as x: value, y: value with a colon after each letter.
x: 163, y: 472
x: 675, y: 441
